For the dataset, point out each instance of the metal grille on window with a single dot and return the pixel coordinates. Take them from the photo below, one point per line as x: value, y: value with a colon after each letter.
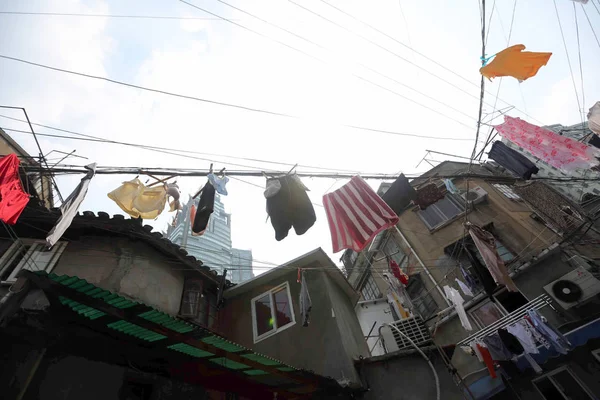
x: 370, y: 291
x: 421, y: 298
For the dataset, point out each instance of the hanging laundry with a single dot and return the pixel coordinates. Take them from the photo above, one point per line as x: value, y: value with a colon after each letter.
x: 427, y: 195
x: 513, y: 345
x: 13, y: 198
x: 486, y: 245
x: 401, y: 276
x: 69, y: 207
x: 454, y: 296
x: 487, y: 359
x: 561, y: 152
x: 515, y: 62
x: 206, y: 206
x: 450, y: 186
x: 483, y: 273
x: 520, y: 330
x: 305, y: 302
x: 173, y: 191
x: 594, y: 118
x: 466, y: 290
x: 469, y: 279
x: 289, y: 206
x: 537, y: 336
x: 399, y: 195
x: 219, y: 183
x: 140, y: 201
x: 512, y: 160
x: 581, y: 1
x: 558, y: 341
x: 356, y: 214
x: 497, y: 348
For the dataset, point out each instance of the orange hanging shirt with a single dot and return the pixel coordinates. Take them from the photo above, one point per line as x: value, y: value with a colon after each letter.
x: 516, y: 63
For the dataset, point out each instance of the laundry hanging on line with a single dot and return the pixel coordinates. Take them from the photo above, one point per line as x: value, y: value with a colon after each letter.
x: 454, y: 296
x: 305, y: 301
x: 172, y: 191
x: 450, y: 187
x: 13, y: 198
x: 466, y: 290
x: 288, y: 205
x: 356, y: 214
x: 512, y: 160
x: 397, y: 272
x: 486, y: 245
x: 399, y: 195
x: 515, y: 62
x: 219, y: 183
x: 140, y: 201
x: 69, y: 207
x: 594, y: 118
x: 513, y: 344
x: 206, y: 206
x: 428, y: 195
x: 559, y: 151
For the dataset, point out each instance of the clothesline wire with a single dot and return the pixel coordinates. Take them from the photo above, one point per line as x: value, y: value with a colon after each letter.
x: 361, y: 65
x: 580, y: 65
x: 568, y: 59
x: 56, y: 14
x: 594, y: 4
x: 487, y: 36
x: 424, y: 56
x: 590, y: 22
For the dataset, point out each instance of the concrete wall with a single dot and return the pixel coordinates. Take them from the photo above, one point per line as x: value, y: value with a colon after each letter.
x: 131, y: 268
x: 326, y: 346
x: 407, y: 377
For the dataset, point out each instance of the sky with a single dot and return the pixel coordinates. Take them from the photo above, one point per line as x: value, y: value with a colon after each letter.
x: 323, y: 67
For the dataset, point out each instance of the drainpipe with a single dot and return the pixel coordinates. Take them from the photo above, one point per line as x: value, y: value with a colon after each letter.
x: 437, y: 285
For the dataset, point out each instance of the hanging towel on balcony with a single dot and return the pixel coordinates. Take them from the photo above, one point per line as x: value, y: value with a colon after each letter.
x: 356, y: 214
x: 288, y: 205
x: 512, y: 160
x: 69, y: 207
x: 594, y: 118
x: 558, y: 341
x: 486, y: 245
x: 450, y: 187
x: 559, y: 151
x: 454, y: 296
x: 515, y: 62
x: 401, y: 276
x: 486, y: 357
x: 305, y: 302
x: 427, y: 195
x: 399, y: 195
x: 12, y: 197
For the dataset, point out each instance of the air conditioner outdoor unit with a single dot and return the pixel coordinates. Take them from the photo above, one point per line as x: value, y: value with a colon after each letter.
x: 574, y: 288
x: 475, y: 195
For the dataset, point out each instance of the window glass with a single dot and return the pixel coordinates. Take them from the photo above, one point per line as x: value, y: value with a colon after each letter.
x: 264, y: 320
x: 441, y: 211
x: 282, y: 307
x: 370, y: 291
x: 486, y: 314
x: 421, y: 297
x: 392, y: 250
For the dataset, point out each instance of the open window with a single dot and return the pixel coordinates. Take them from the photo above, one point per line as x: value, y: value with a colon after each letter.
x: 272, y: 312
x: 31, y: 255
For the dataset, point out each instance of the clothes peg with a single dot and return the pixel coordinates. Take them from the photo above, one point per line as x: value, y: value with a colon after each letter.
x: 293, y: 168
x: 210, y: 170
x: 222, y: 172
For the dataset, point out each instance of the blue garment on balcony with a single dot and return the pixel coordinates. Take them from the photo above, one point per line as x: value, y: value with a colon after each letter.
x: 558, y: 341
x: 219, y: 183
x: 497, y: 348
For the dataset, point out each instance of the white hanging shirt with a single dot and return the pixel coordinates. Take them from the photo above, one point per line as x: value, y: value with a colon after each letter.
x: 454, y: 296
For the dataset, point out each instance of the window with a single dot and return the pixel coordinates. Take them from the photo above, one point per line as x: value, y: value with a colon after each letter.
x: 272, y: 312
x: 442, y: 211
x: 503, y: 252
x: 369, y: 290
x: 507, y: 191
x: 191, y: 298
x: 421, y: 298
x: 562, y: 384
x: 392, y: 250
x: 487, y: 312
x: 31, y: 255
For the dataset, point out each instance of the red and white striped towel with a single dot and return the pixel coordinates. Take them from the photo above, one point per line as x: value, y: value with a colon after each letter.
x: 356, y: 214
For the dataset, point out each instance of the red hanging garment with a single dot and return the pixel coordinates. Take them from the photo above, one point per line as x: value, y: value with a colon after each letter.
x: 12, y: 197
x: 401, y: 276
x: 487, y: 359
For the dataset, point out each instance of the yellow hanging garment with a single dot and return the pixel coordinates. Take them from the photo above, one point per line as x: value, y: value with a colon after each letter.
x: 515, y: 62
x: 137, y: 200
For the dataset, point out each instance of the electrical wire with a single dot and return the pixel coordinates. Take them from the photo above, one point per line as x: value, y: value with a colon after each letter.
x: 590, y: 22
x: 56, y: 14
x: 322, y: 61
x: 581, y: 110
x: 213, y: 102
x: 568, y: 58
x: 421, y: 54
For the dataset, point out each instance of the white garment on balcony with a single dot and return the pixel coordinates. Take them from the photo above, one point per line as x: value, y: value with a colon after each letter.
x: 525, y: 337
x: 454, y: 296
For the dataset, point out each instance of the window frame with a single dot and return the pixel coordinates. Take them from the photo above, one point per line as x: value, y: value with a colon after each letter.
x: 423, y: 299
x: 398, y: 255
x: 557, y: 371
x: 369, y: 280
x: 455, y: 200
x: 35, y: 247
x: 497, y: 303
x: 276, y: 329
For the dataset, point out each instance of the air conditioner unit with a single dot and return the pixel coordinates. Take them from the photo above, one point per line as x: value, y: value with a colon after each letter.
x: 475, y: 195
x: 573, y: 288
